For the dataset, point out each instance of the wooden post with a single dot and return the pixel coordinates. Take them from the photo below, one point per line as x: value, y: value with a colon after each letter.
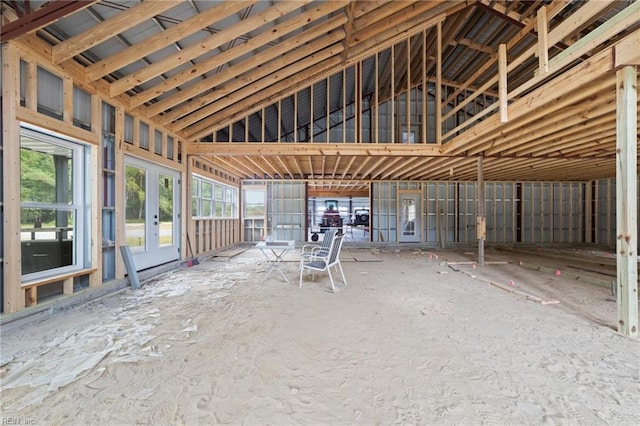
x: 502, y: 82
x: 438, y: 102
x: 13, y: 296
x: 626, y: 204
x: 120, y: 179
x: 481, y: 228
x: 543, y: 41
x: 424, y: 87
x: 95, y: 279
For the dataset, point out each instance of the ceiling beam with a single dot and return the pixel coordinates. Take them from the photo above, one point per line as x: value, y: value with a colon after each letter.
x: 303, y: 148
x: 109, y: 28
x: 252, y: 69
x: 579, y: 77
x: 226, y: 57
x: 165, y: 38
x: 259, y: 99
x: 45, y: 15
x: 204, y: 46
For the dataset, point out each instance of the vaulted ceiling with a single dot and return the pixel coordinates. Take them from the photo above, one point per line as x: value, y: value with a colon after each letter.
x: 199, y: 67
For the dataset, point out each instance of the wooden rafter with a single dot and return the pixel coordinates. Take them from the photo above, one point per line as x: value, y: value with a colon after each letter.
x: 31, y: 21
x: 109, y: 28
x: 165, y: 38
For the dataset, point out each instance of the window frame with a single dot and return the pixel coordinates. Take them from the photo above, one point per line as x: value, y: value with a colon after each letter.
x: 81, y: 198
x: 223, y: 206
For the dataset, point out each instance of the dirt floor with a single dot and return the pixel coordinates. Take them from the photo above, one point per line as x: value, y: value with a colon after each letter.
x: 418, y: 336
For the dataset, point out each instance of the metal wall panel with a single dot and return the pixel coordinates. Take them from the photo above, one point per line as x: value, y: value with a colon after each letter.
x: 440, y: 212
x: 384, y: 211
x: 286, y: 212
x: 81, y: 108
x: 500, y: 208
x: 50, y: 98
x: 605, y: 211
x: 466, y: 212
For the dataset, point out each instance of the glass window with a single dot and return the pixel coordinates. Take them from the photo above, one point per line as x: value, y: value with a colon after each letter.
x: 135, y: 213
x: 195, y: 197
x: 210, y: 199
x: 207, y: 190
x: 52, y: 215
x: 228, y: 202
x: 206, y: 208
x: 254, y: 204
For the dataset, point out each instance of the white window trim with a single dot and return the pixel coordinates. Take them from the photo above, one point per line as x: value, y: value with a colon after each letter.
x: 81, y: 196
x: 214, y: 183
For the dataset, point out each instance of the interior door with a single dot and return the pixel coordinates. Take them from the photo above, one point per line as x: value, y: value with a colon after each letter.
x: 152, y: 214
x: 409, y: 217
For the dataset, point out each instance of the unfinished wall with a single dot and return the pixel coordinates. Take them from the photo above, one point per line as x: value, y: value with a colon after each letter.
x: 283, y: 216
x: 211, y: 232
x: 286, y: 210
x: 529, y: 212
x: 603, y: 211
x: 55, y: 100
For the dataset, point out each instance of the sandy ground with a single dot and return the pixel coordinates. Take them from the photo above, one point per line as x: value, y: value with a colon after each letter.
x: 409, y: 341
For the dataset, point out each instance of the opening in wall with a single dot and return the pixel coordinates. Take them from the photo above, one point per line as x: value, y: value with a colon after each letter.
x: 54, y: 224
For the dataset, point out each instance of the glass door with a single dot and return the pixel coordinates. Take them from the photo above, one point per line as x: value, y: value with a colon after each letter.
x: 409, y: 217
x: 152, y: 201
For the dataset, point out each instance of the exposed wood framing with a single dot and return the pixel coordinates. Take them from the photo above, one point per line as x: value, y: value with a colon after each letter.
x: 481, y: 220
x: 45, y: 15
x: 626, y: 200
x: 502, y: 83
x: 109, y: 28
x: 14, y: 299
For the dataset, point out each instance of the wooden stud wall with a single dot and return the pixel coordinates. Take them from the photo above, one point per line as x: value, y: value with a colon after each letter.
x: 209, y: 234
x: 18, y: 295
x: 399, y: 96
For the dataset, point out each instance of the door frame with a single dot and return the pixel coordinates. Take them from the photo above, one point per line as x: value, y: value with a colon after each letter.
x: 416, y: 237
x: 154, y: 254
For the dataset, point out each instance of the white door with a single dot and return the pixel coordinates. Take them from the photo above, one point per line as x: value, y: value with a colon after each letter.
x: 152, y: 201
x: 409, y: 218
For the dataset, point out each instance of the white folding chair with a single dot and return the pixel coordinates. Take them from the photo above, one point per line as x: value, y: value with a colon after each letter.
x: 321, y: 264
x: 320, y: 250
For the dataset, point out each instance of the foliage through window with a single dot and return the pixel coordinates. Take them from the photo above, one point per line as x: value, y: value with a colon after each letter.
x: 213, y: 199
x: 53, y: 212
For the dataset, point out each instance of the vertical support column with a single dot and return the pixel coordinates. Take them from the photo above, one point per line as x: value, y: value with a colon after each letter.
x: 543, y: 41
x: 295, y: 118
x: 344, y: 105
x: 438, y: 102
x: 376, y: 115
x: 481, y: 223
x: 408, y: 89
x: 187, y: 222
x: 31, y: 86
x: 327, y: 125
x: 424, y: 87
x: 392, y: 103
x: 358, y: 118
x: 13, y: 296
x: 120, y: 179
x: 95, y: 279
x: 626, y: 203
x: 588, y: 212
x: 67, y: 100
x: 502, y: 82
